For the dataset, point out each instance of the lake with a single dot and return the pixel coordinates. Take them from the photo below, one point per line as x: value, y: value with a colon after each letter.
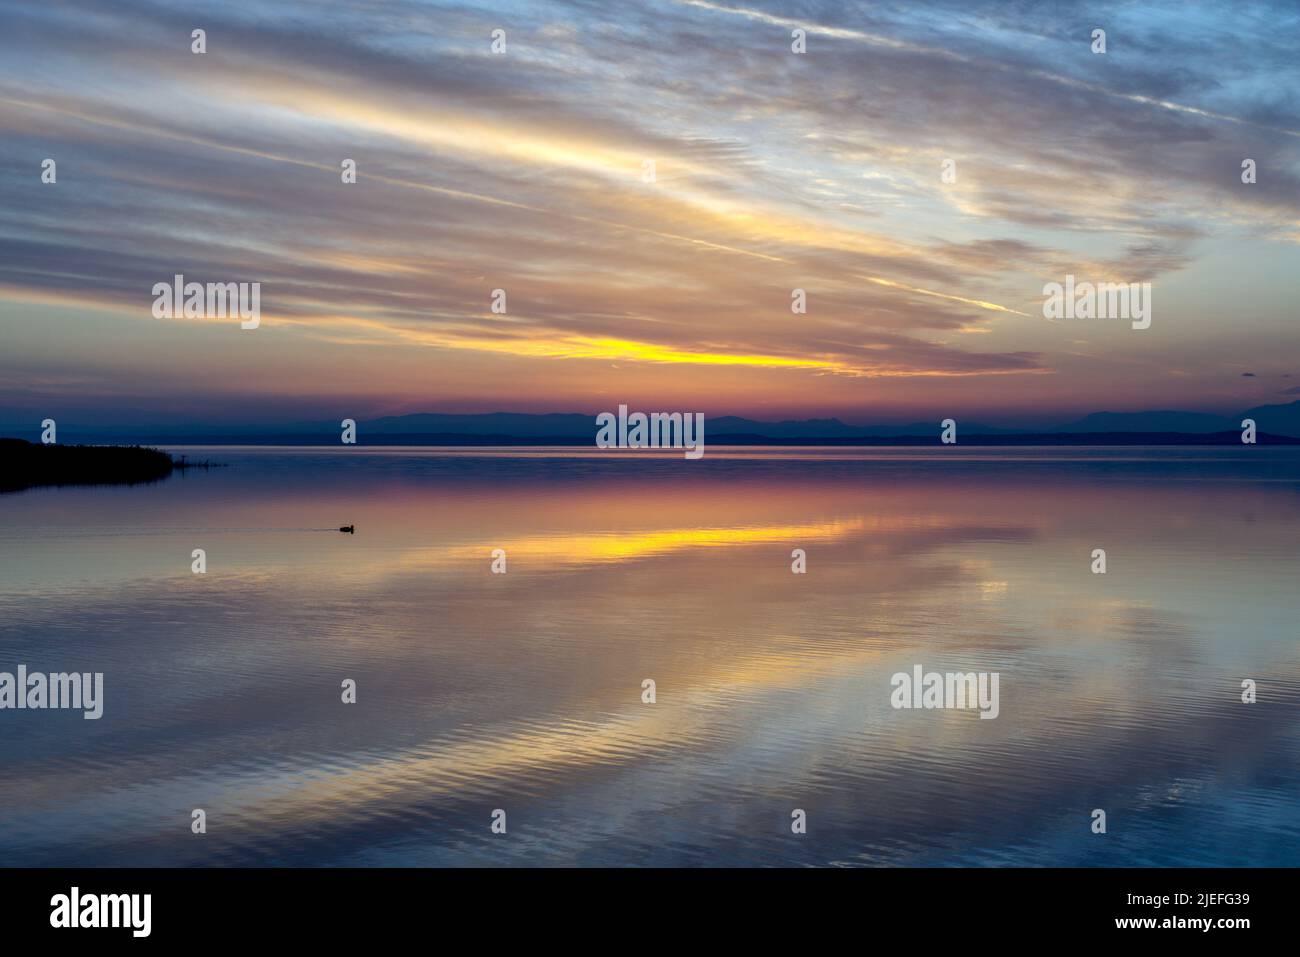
x: 523, y: 691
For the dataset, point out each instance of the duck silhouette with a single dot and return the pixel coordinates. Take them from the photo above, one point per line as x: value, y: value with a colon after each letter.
x: 350, y: 529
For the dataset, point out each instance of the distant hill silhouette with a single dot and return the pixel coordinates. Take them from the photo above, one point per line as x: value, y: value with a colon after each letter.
x: 1147, y: 421
x: 517, y: 424
x: 1273, y: 423
x: 568, y: 425
x: 1277, y: 419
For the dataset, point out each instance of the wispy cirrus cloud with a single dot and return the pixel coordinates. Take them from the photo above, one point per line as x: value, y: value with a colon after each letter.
x: 524, y: 172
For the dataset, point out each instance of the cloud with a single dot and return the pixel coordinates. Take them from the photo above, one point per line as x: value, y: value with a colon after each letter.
x: 524, y: 172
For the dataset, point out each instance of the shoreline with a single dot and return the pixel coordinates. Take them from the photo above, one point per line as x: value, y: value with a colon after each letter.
x: 32, y: 465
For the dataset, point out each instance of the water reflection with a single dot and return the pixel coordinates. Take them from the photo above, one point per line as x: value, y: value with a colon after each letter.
x: 523, y: 690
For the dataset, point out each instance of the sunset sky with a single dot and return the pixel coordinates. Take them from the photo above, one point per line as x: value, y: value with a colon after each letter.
x: 524, y: 171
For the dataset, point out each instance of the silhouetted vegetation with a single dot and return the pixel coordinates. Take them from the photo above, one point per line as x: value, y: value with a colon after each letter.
x: 26, y: 464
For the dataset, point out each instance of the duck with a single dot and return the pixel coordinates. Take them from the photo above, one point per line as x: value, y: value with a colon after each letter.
x: 350, y: 529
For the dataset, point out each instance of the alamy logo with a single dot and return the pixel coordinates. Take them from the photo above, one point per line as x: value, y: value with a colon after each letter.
x: 103, y: 910
x: 1104, y: 300
x: 658, y: 430
x: 951, y: 690
x: 78, y: 691
x: 215, y: 300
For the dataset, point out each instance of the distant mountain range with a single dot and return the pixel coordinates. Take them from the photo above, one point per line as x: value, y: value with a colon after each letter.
x: 1273, y: 419
x: 1277, y: 419
x: 1273, y: 423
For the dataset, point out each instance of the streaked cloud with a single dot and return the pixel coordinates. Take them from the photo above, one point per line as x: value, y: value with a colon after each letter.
x: 772, y: 172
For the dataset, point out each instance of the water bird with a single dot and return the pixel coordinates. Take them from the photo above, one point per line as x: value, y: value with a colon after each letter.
x: 350, y: 529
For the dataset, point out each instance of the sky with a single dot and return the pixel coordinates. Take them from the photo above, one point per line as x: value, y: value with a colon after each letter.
x: 526, y: 170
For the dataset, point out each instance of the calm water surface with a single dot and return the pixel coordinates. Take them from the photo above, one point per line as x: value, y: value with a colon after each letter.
x: 523, y: 691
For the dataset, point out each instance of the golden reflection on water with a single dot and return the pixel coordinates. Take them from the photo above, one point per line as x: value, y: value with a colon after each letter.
x: 525, y: 688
